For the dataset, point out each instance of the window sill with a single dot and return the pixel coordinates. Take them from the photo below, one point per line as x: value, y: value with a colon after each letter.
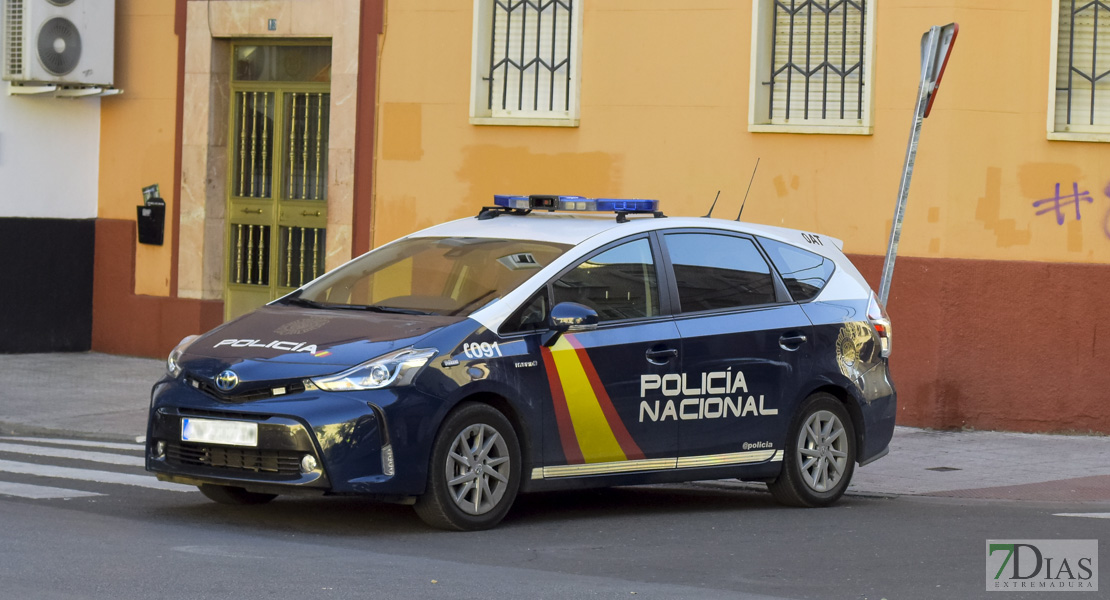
x: 814, y: 129
x: 1062, y: 136
x: 524, y: 121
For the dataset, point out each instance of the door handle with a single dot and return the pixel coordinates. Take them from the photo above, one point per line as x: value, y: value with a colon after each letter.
x: 792, y: 342
x: 661, y: 357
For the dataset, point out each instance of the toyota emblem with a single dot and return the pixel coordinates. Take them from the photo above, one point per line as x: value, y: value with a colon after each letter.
x: 227, y: 381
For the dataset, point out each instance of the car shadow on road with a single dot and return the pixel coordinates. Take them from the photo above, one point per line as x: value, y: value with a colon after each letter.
x: 354, y: 516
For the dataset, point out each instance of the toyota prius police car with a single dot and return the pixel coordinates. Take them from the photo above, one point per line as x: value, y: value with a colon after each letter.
x: 551, y: 342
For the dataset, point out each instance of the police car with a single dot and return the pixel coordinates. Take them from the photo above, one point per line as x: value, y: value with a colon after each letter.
x: 551, y: 342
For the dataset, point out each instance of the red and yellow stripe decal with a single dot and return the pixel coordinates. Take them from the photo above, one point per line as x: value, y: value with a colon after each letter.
x: 590, y: 429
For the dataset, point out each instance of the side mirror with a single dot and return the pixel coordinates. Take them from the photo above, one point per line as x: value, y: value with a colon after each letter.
x: 569, y: 316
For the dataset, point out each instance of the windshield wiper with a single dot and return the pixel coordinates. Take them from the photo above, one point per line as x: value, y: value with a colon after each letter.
x: 307, y: 303
x: 298, y: 301
x: 388, y: 309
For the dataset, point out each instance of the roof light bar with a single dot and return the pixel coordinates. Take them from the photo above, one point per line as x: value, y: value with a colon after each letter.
x: 576, y: 203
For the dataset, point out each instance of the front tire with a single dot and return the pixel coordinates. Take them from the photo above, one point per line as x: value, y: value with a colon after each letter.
x: 226, y: 494
x: 820, y: 455
x: 474, y: 472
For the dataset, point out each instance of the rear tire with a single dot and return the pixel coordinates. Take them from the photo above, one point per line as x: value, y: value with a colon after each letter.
x: 226, y: 494
x: 474, y: 473
x: 820, y: 454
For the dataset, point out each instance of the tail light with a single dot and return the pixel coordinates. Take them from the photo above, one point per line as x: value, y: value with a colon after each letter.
x: 876, y: 314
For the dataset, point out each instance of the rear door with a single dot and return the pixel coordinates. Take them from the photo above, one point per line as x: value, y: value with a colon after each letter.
x: 743, y: 344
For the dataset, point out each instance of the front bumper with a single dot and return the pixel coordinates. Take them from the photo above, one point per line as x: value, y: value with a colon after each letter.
x: 346, y: 433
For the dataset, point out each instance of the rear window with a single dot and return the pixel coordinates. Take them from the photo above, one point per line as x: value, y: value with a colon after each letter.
x: 804, y: 273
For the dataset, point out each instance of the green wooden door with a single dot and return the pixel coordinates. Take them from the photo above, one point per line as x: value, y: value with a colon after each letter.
x: 277, y: 189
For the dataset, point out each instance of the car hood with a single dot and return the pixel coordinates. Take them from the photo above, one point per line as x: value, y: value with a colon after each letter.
x: 282, y: 342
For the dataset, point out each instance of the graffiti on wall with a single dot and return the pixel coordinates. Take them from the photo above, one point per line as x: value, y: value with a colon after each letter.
x: 1058, y: 203
x: 1106, y: 221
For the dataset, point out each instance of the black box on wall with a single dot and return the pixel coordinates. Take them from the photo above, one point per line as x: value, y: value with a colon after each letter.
x: 152, y: 222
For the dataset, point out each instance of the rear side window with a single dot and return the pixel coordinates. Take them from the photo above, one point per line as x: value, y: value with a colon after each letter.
x: 716, y: 272
x: 804, y: 273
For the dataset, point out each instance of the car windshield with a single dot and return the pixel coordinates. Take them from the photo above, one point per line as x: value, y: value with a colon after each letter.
x: 441, y: 276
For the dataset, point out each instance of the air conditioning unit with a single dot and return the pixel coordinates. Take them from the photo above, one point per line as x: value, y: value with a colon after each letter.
x: 59, y: 42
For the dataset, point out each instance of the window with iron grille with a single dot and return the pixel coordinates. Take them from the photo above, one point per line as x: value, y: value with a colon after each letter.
x: 811, y: 66
x: 1079, y: 103
x: 525, y: 62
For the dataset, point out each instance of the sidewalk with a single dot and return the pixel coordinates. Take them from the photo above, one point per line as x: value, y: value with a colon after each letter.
x: 101, y: 396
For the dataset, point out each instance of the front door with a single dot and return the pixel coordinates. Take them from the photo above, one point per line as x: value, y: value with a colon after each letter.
x: 601, y: 424
x: 277, y: 188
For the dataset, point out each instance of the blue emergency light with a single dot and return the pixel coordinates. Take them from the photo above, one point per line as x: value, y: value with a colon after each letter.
x: 576, y: 203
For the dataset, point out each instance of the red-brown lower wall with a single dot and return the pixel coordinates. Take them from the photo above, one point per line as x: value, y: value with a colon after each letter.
x: 1019, y: 346
x: 126, y: 323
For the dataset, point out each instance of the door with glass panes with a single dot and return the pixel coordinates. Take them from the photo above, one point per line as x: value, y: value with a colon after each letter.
x: 278, y: 185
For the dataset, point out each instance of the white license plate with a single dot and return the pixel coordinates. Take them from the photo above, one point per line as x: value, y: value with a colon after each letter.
x: 231, y: 433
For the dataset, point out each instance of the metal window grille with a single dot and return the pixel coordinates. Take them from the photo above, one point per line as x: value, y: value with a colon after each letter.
x: 530, y: 56
x: 817, y: 60
x: 251, y: 257
x: 307, y: 128
x: 255, y: 140
x: 1083, y: 64
x: 302, y: 255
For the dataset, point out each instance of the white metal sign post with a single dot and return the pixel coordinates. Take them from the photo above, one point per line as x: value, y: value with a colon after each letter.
x: 936, y: 45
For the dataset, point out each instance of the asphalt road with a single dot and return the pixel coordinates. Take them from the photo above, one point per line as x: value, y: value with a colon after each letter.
x: 116, y: 538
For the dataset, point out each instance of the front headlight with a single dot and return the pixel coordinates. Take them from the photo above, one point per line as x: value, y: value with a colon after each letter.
x: 389, y: 370
x: 172, y: 365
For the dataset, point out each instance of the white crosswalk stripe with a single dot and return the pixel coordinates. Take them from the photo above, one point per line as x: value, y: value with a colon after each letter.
x: 75, y: 443
x: 100, y: 457
x: 78, y: 451
x: 39, y: 492
x: 146, y: 481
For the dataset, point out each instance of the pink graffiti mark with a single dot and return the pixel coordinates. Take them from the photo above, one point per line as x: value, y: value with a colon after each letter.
x: 1106, y: 221
x: 1057, y: 203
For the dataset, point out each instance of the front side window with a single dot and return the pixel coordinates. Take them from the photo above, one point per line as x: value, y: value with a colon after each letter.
x: 444, y: 276
x: 525, y: 62
x: 619, y: 283
x: 531, y: 316
x: 1080, y: 100
x: 811, y: 66
x: 715, y: 272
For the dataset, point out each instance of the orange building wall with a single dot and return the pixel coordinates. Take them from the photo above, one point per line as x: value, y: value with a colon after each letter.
x: 664, y: 115
x: 999, y: 316
x: 137, y: 129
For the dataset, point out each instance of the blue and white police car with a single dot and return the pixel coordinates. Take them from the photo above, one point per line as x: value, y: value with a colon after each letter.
x: 551, y: 342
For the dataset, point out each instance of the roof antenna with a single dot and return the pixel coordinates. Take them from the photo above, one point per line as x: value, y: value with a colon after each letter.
x: 749, y: 189
x: 712, y: 206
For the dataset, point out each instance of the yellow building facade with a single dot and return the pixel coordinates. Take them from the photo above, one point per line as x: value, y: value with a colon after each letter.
x: 987, y: 280
x: 1006, y: 239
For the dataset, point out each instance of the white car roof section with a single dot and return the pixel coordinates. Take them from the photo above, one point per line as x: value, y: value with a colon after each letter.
x: 572, y: 228
x: 560, y: 228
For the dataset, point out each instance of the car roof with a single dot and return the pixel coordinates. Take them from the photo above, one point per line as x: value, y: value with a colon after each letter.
x: 574, y: 229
